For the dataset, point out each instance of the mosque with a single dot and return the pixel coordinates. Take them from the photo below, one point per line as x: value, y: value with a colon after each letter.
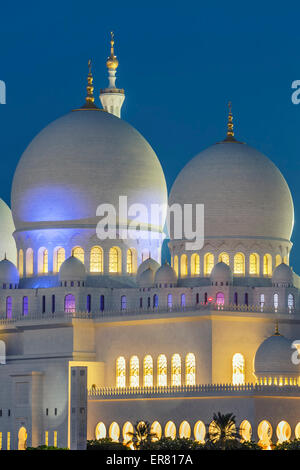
x: 96, y: 334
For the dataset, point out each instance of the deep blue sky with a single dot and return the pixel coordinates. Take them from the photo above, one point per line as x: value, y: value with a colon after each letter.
x: 180, y: 63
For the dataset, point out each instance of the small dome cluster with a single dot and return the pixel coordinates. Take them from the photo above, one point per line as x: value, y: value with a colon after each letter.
x: 282, y: 276
x: 9, y: 275
x: 72, y: 270
x: 150, y: 273
x: 221, y: 274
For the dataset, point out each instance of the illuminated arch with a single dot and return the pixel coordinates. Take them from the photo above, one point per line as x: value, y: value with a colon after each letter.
x: 114, y: 431
x: 43, y: 260
x: 162, y: 371
x: 78, y: 253
x: 183, y: 265
x: 245, y: 430
x: 297, y: 431
x: 200, y: 432
x: 21, y: 263
x: 238, y: 369
x: 185, y: 430
x: 96, y: 260
x: 224, y: 257
x: 190, y: 369
x: 115, y: 263
x: 209, y: 261
x: 254, y: 264
x: 29, y: 262
x: 100, y: 431
x: 267, y: 265
x: 134, y: 372
x: 176, y: 370
x: 195, y: 264
x: 70, y: 305
x: 22, y: 438
x: 278, y: 260
x: 265, y: 432
x: 121, y: 372
x: 170, y: 430
x: 131, y: 261
x: 239, y: 263
x: 283, y: 432
x: 285, y: 260
x: 176, y: 265
x: 156, y: 429
x: 127, y: 432
x: 148, y: 371
x: 59, y: 256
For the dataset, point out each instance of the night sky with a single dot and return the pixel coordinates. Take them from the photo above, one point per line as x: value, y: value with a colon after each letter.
x: 180, y: 63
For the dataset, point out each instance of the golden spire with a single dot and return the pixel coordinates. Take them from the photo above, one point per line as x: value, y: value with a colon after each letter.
x: 230, y: 132
x: 112, y: 61
x: 89, y: 99
x: 276, y: 329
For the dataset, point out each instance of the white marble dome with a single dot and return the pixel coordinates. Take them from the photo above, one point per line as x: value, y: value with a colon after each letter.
x: 72, y: 269
x: 243, y: 192
x: 148, y: 263
x: 81, y: 160
x: 8, y: 273
x: 146, y: 278
x: 7, y: 228
x: 165, y: 275
x: 282, y: 275
x: 274, y: 357
x: 221, y: 272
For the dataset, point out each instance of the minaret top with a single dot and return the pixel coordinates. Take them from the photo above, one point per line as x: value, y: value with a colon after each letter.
x: 230, y: 132
x: 112, y: 61
x: 89, y: 99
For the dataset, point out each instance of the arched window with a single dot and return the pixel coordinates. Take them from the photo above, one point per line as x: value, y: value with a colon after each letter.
x: 29, y: 262
x: 123, y: 302
x: 176, y: 370
x: 297, y: 431
x: 275, y: 301
x: 121, y: 372
x: 2, y: 352
x: 43, y: 261
x: 170, y: 301
x: 182, y: 300
x: 162, y: 371
x: 129, y: 262
x: 155, y: 301
x: 101, y: 303
x: 69, y: 303
x: 25, y: 306
x: 195, y: 264
x: 254, y: 264
x: 220, y: 298
x: 156, y: 429
x: 285, y: 260
x: 291, y: 302
x: 246, y: 299
x: 190, y: 369
x: 96, y: 260
x: 236, y: 298
x: 183, y: 265
x: 170, y: 430
x: 245, y: 430
x: 200, y: 432
x: 100, y: 431
x: 209, y: 261
x: 238, y: 369
x: 127, y: 432
x: 265, y: 432
x: 8, y: 307
x: 239, y: 263
x: 114, y: 432
x: 88, y: 303
x: 224, y: 257
x: 134, y: 371
x: 197, y: 298
x: 115, y: 260
x: 21, y: 263
x: 267, y: 265
x: 176, y: 265
x: 78, y: 253
x: 53, y: 303
x: 185, y: 430
x: 205, y: 298
x: 278, y: 260
x: 283, y: 432
x: 59, y: 257
x: 148, y: 371
x: 262, y: 300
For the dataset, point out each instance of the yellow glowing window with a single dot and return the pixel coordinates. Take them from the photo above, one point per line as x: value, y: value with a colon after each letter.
x: 100, y: 431
x: 190, y: 369
x: 254, y: 264
x: 195, y: 264
x: 209, y: 261
x: 127, y: 432
x: 200, y: 432
x: 148, y: 371
x: 156, y: 429
x: 283, y: 432
x: 245, y: 430
x: 185, y: 430
x: 21, y: 263
x: 239, y: 263
x: 162, y: 370
x: 78, y: 253
x: 134, y: 372
x: 8, y: 441
x: 59, y: 258
x: 45, y: 261
x: 114, y: 261
x: 278, y: 260
x: 114, y: 431
x: 265, y: 432
x: 55, y: 438
x: 183, y: 265
x: 176, y: 370
x: 285, y: 260
x: 238, y: 369
x: 224, y: 257
x: 121, y: 372
x: 170, y: 430
x: 96, y: 260
x: 29, y: 262
x: 267, y: 265
x: 46, y: 438
x: 176, y: 264
x: 129, y: 262
x: 0, y: 440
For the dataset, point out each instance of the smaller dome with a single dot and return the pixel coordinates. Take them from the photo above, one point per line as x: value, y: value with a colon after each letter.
x: 274, y: 357
x: 221, y: 272
x: 8, y: 273
x: 72, y: 269
x: 165, y: 275
x: 146, y: 278
x: 148, y: 263
x: 282, y: 275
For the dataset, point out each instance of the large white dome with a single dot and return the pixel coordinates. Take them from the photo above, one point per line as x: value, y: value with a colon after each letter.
x: 243, y: 192
x: 7, y: 228
x: 83, y: 159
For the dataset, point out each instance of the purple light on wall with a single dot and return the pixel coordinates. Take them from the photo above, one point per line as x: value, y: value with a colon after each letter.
x: 69, y: 303
x: 8, y: 307
x: 220, y: 298
x: 25, y: 306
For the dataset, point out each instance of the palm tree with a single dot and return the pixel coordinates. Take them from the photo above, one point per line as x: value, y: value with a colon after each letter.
x: 142, y: 435
x: 223, y: 429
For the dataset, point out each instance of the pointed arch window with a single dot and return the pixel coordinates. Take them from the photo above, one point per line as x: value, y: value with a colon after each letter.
x: 176, y: 370
x: 239, y: 263
x: 121, y: 372
x: 59, y: 258
x: 8, y: 307
x: 162, y: 370
x: 170, y: 301
x: 183, y: 265
x: 267, y: 265
x: 238, y: 369
x: 195, y: 264
x: 114, y: 260
x: 25, y: 306
x: 224, y: 257
x: 129, y: 262
x: 29, y: 262
x: 134, y: 371
x: 278, y: 260
x: 123, y: 302
x: 148, y: 371
x: 254, y: 264
x: 78, y: 253
x: 69, y: 303
x: 176, y: 265
x: 96, y: 260
x: 190, y: 369
x: 21, y: 263
x: 209, y: 261
x: 291, y: 302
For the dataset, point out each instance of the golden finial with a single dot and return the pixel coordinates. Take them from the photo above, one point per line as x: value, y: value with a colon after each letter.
x: 112, y: 61
x: 89, y: 99
x: 276, y: 329
x: 230, y: 132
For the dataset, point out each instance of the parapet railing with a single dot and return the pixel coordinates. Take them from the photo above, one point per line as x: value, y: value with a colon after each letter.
x: 191, y: 390
x: 141, y: 311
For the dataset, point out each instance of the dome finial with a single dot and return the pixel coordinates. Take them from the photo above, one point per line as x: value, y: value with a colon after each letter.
x: 276, y: 329
x: 89, y: 99
x: 112, y: 61
x: 230, y: 132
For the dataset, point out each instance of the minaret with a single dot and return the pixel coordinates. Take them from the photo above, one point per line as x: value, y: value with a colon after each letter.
x: 111, y: 97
